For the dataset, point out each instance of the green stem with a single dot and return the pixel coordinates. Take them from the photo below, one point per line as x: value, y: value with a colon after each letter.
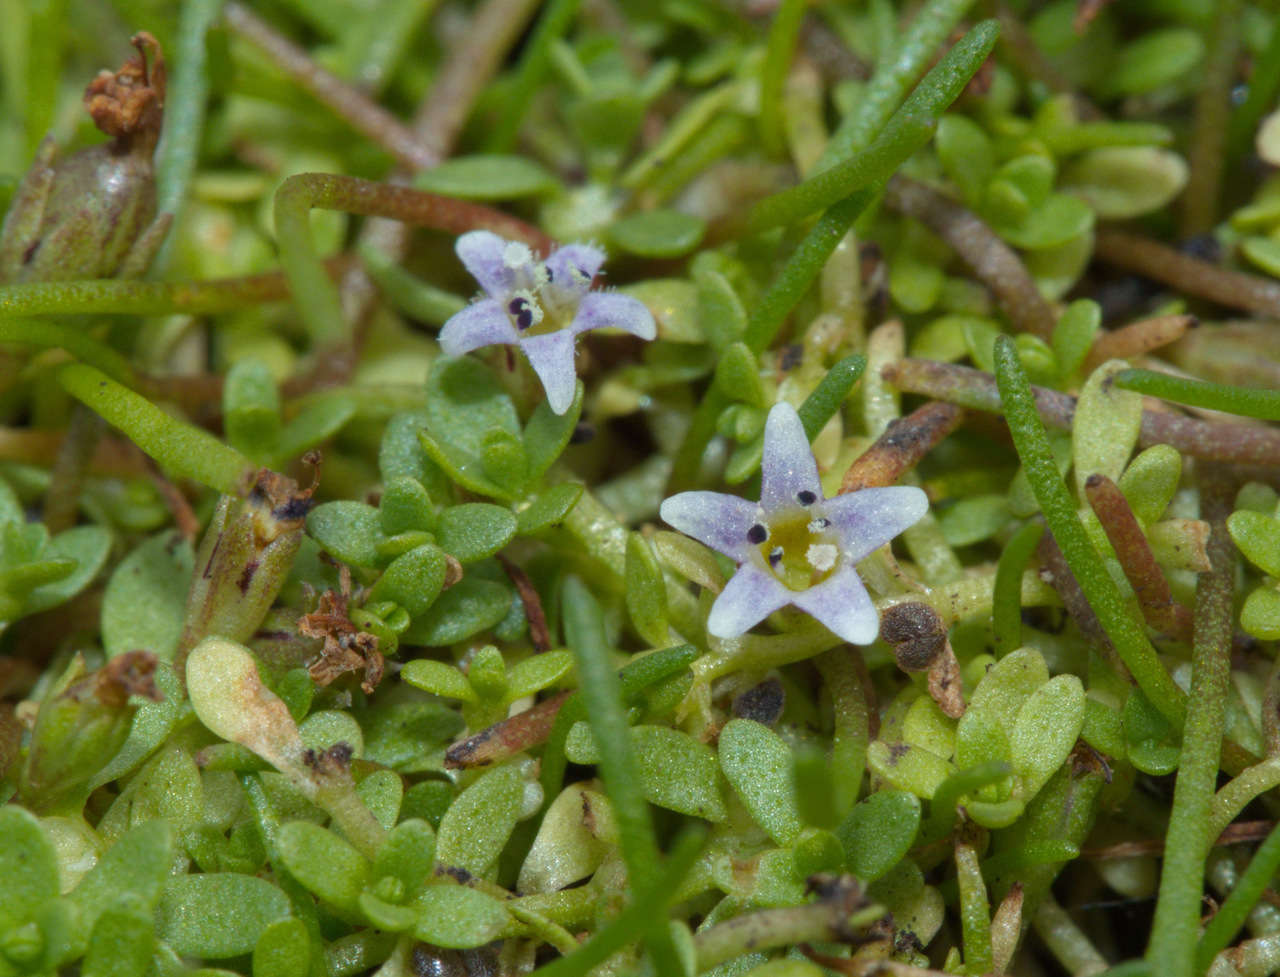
x: 1240, y: 791
x: 1231, y: 915
x: 1006, y: 601
x: 648, y: 906
x: 1172, y: 951
x: 901, y: 66
x: 1209, y: 129
x: 975, y: 912
x: 1245, y: 401
x: 821, y: 405
x: 315, y: 295
x: 842, y: 677
x: 1263, y: 85
x: 53, y: 335
x: 534, y: 64
x: 184, y: 111
x: 907, y: 130
x: 1099, y: 588
x: 183, y: 450
x: 773, y: 75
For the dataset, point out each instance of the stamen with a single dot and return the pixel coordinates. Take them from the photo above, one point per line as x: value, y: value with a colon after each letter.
x: 775, y: 556
x: 757, y: 534
x: 818, y: 525
x: 516, y: 255
x: 822, y: 556
x: 522, y: 311
x: 806, y: 497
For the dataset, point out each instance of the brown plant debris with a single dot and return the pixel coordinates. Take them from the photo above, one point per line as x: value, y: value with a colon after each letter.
x: 1138, y: 338
x: 505, y: 738
x: 346, y: 647
x: 1137, y: 561
x: 994, y: 263
x: 539, y: 634
x: 903, y: 444
x: 1191, y: 276
x: 129, y: 104
x: 1245, y: 444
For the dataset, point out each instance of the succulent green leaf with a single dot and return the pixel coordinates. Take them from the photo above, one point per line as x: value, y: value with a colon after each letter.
x: 966, y: 154
x: 1046, y: 730
x: 475, y: 530
x: 1151, y: 480
x: 323, y: 862
x: 1260, y: 615
x: 547, y: 509
x: 28, y: 865
x: 1258, y: 537
x: 457, y: 917
x: 88, y: 547
x: 477, y: 825
x: 251, y: 409
x: 120, y: 945
x: 439, y: 679
x: 145, y: 600
x: 487, y: 177
x: 348, y: 531
x: 547, y: 434
x: 657, y: 234
x: 646, y: 592
x: 218, y: 914
x: 405, y: 507
x: 1105, y: 429
x: 1125, y: 181
x: 878, y: 832
x: 466, y: 411
x: 407, y: 855
x: 468, y: 607
x: 760, y: 766
x: 538, y: 672
x: 909, y: 768
x: 414, y: 579
x: 138, y: 865
x: 283, y: 950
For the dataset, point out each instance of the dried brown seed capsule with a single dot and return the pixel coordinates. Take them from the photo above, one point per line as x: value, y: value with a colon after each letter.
x: 763, y: 702
x: 92, y: 214
x: 916, y: 633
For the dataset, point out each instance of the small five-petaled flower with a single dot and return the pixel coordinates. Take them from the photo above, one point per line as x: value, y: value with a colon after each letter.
x: 540, y: 306
x: 794, y: 546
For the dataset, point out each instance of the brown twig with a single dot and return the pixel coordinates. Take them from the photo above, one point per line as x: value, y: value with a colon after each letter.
x: 344, y: 99
x: 1245, y: 444
x: 903, y: 444
x: 533, y: 612
x: 1234, y: 834
x: 508, y: 737
x: 1191, y: 276
x: 1138, y: 338
x: 1136, y: 559
x: 1055, y: 571
x: 994, y: 263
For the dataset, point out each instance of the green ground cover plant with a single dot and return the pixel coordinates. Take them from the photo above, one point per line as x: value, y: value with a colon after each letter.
x: 697, y: 487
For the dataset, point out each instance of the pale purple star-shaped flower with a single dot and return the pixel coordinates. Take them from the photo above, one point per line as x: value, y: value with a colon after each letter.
x: 794, y: 546
x: 540, y: 306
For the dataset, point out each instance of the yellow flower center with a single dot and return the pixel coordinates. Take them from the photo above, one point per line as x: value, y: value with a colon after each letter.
x: 798, y: 548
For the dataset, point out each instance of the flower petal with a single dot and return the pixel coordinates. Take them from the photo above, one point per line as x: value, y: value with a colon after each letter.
x: 751, y: 595
x: 718, y: 520
x: 551, y: 356
x: 868, y: 519
x: 787, y: 468
x: 841, y: 603
x: 573, y: 266
x: 482, y: 252
x: 482, y: 323
x: 616, y: 311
